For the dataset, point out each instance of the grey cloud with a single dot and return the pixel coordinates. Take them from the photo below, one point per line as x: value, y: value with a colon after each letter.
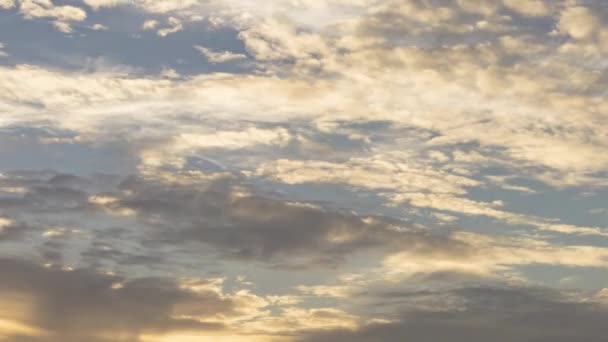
x: 15, y: 231
x: 253, y: 227
x: 49, y: 191
x: 246, y: 226
x: 82, y: 305
x: 489, y: 314
x: 99, y: 253
x: 229, y: 216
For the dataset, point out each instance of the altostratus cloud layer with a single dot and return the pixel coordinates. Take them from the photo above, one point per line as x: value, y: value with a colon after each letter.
x: 321, y: 170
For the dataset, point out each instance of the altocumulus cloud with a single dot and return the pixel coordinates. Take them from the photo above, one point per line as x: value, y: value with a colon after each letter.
x: 321, y: 170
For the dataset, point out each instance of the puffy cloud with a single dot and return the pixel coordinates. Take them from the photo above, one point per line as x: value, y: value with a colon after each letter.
x: 99, y: 27
x: 276, y: 40
x: 7, y: 4
x: 63, y: 15
x: 579, y: 22
x: 149, y: 25
x: 46, y: 9
x: 63, y: 26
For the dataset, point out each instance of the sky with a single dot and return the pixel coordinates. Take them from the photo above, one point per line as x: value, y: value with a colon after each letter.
x: 303, y: 170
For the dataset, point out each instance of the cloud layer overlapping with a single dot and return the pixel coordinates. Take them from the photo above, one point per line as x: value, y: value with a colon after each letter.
x: 303, y: 170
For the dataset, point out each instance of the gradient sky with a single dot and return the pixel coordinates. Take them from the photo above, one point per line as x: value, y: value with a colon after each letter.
x: 303, y: 170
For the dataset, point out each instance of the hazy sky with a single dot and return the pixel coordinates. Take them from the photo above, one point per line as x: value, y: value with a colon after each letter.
x: 303, y: 170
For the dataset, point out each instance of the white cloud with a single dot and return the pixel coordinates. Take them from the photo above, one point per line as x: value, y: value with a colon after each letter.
x: 278, y: 39
x: 97, y: 4
x: 468, y: 207
x: 406, y: 182
x: 219, y: 57
x: 165, y: 6
x: 63, y: 15
x: 63, y: 26
x: 7, y: 4
x: 489, y: 256
x: 578, y: 22
x: 383, y: 173
x: 155, y: 6
x: 99, y: 27
x: 170, y: 73
x: 149, y: 25
x: 183, y: 145
x: 463, y: 93
x: 175, y: 25
x: 5, y: 222
x: 45, y: 9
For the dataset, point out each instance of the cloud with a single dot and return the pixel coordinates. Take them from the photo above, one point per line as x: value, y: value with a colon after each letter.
x: 63, y: 26
x: 475, y: 208
x: 529, y: 7
x: 367, y: 161
x: 99, y: 27
x: 223, y: 215
x: 487, y: 313
x: 97, y: 4
x: 63, y: 15
x: 175, y: 25
x: 165, y: 6
x: 7, y: 4
x: 566, y: 154
x: 104, y: 307
x: 488, y: 256
x: 176, y: 150
x: 219, y: 57
x: 578, y: 22
x: 276, y: 40
x: 100, y: 307
x: 301, y: 320
x: 239, y: 224
x: 397, y: 174
x: 154, y: 6
x: 149, y: 25
x: 246, y: 227
x: 411, y: 183
x: 11, y: 230
x: 449, y: 262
